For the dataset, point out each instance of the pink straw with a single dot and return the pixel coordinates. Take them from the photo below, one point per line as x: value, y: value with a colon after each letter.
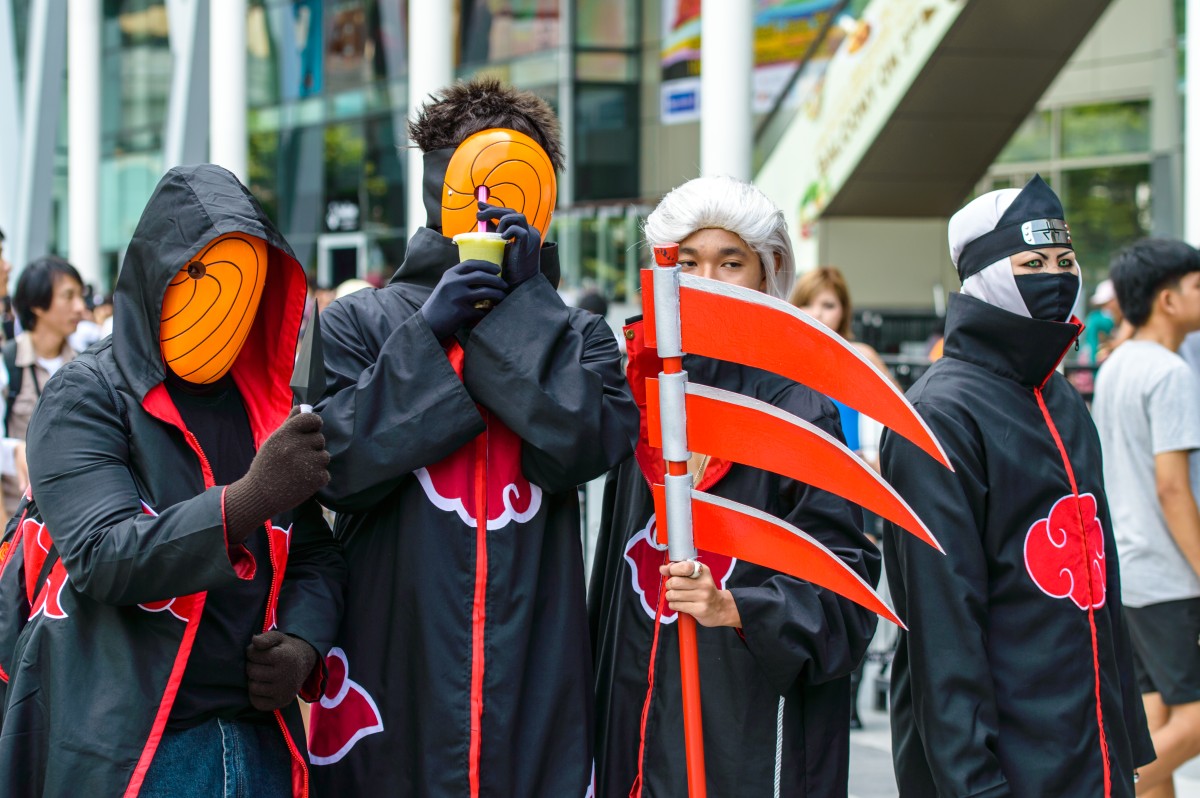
x: 482, y: 195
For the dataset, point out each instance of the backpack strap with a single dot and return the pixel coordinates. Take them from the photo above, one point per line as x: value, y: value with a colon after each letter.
x: 89, y: 360
x: 14, y: 380
x: 44, y: 574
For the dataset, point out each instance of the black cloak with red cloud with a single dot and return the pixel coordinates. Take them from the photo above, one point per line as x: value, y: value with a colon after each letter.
x: 127, y: 498
x: 1016, y: 677
x: 462, y: 666
x: 776, y: 693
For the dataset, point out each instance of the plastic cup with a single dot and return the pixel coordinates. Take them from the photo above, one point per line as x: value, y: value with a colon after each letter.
x: 481, y: 246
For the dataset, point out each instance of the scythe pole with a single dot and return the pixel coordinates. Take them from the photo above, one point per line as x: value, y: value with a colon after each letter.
x: 672, y: 396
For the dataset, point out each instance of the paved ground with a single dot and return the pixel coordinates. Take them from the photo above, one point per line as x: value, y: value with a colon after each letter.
x: 871, y: 773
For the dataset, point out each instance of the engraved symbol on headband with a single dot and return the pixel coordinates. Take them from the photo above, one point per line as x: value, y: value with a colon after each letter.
x: 1040, y: 232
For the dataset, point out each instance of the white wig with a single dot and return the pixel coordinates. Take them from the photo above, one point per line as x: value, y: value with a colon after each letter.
x: 725, y: 203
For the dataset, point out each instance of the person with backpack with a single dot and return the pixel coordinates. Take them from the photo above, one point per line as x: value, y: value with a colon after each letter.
x: 49, y: 304
x: 180, y: 587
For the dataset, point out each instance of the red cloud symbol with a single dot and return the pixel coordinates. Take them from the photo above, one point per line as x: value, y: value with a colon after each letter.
x: 1064, y: 552
x: 180, y: 607
x: 450, y: 484
x: 49, y: 601
x: 345, y: 714
x: 36, y: 543
x: 645, y: 555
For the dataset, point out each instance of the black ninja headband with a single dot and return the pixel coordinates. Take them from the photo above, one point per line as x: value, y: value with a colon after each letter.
x: 1034, y: 219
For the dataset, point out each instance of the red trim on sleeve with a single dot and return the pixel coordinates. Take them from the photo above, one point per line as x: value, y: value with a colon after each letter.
x: 314, y: 686
x: 240, y: 557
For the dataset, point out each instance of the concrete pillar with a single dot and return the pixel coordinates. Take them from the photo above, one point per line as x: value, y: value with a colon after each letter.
x: 10, y: 110
x: 185, y: 135
x: 83, y: 138
x: 726, y: 66
x: 430, y: 68
x: 1191, y: 153
x: 45, y: 59
x: 227, y: 137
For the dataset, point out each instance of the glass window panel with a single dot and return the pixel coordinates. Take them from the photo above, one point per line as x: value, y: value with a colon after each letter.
x: 263, y: 167
x: 349, y: 54
x: 388, y: 32
x: 1107, y: 208
x: 499, y: 30
x: 285, y: 44
x: 301, y: 180
x: 1031, y: 142
x: 126, y: 183
x: 606, y: 141
x: 383, y: 176
x: 1106, y: 129
x: 532, y: 70
x: 344, y: 148
x: 606, y: 23
x: 605, y: 67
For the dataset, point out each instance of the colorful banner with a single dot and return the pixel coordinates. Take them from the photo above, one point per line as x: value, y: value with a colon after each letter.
x: 783, y: 32
x: 845, y: 109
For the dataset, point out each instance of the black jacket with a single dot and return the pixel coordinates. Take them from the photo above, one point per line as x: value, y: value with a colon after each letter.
x: 131, y: 507
x: 1016, y: 677
x: 775, y: 693
x: 457, y: 618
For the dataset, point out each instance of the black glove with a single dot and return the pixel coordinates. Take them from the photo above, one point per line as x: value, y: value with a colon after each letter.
x: 451, y: 306
x: 277, y: 666
x: 290, y: 467
x: 523, y: 256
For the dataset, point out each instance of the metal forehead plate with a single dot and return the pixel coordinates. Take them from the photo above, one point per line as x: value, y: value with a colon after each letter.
x: 1040, y: 232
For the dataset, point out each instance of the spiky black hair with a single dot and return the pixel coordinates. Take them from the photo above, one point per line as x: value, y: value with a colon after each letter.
x: 467, y: 107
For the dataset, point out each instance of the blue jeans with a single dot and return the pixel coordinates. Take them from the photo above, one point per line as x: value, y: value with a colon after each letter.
x: 221, y: 759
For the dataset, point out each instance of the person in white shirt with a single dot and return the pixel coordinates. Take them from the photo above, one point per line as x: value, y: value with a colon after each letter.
x: 1147, y: 411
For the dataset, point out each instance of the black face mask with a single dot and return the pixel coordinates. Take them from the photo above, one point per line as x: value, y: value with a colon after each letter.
x: 1049, y: 297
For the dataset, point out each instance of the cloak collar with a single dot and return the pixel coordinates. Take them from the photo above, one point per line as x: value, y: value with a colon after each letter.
x: 1014, y: 347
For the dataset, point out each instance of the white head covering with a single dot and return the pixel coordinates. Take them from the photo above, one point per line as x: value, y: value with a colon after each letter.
x: 993, y: 284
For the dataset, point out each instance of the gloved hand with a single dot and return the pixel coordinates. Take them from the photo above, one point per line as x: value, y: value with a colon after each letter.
x: 523, y: 256
x: 451, y: 306
x: 276, y: 667
x: 288, y: 469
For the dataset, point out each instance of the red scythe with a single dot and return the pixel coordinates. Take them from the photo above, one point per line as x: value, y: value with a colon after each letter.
x: 684, y: 313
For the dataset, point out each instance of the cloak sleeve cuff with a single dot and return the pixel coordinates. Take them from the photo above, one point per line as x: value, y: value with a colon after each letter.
x: 244, y: 566
x: 760, y: 609
x: 314, y: 686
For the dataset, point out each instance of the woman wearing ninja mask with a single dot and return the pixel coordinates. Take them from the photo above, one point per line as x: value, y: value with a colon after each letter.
x: 1015, y: 677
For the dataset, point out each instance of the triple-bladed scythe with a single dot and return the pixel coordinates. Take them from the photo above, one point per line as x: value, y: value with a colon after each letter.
x: 685, y: 313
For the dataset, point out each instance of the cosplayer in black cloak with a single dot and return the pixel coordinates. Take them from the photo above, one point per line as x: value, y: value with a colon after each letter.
x: 462, y: 667
x: 147, y: 534
x: 1015, y: 677
x: 775, y: 692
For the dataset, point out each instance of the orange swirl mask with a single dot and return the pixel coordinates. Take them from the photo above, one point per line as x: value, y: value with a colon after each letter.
x: 516, y: 172
x: 210, y: 306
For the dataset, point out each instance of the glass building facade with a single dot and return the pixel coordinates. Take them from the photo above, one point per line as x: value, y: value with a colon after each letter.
x: 327, y: 93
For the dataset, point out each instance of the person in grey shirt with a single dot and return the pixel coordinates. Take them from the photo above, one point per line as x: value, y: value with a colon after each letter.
x: 1147, y: 411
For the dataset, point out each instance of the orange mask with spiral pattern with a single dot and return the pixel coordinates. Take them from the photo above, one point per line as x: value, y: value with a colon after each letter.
x: 516, y: 172
x: 210, y: 306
